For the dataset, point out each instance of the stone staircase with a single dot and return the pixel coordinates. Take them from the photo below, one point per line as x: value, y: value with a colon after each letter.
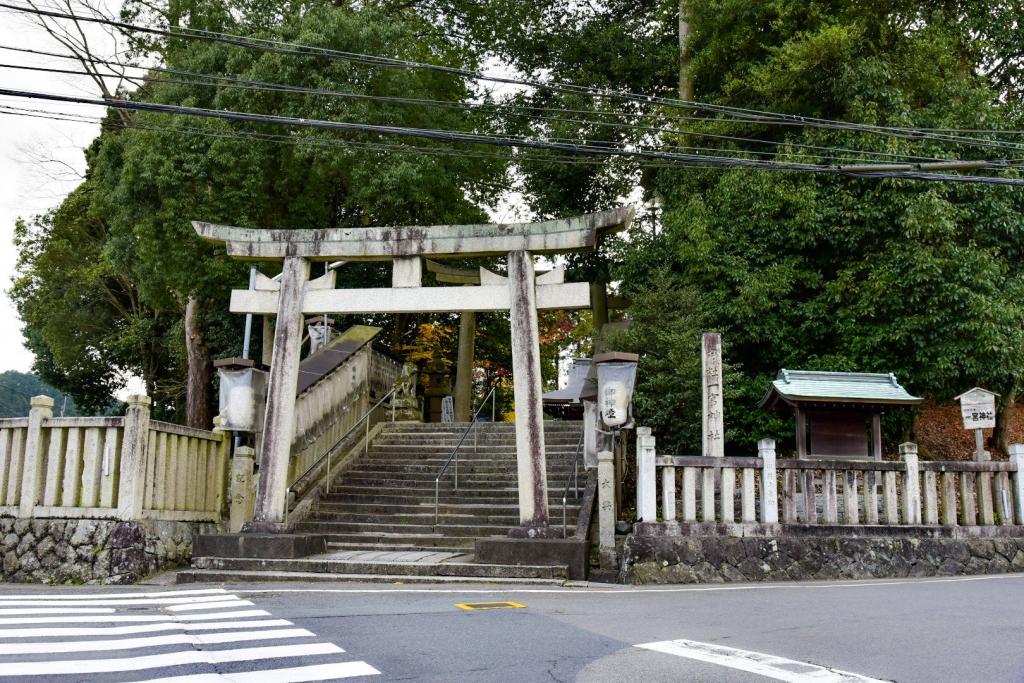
x: 378, y: 518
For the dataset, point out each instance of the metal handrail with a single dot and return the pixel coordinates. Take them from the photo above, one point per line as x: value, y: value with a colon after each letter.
x: 455, y: 452
x: 575, y: 482
x: 330, y: 451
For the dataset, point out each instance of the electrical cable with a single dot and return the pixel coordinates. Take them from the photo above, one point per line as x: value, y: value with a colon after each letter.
x: 284, y: 47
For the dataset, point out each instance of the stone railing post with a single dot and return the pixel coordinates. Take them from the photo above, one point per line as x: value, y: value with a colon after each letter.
x: 1017, y: 504
x: 911, y: 484
x: 132, y: 477
x: 242, y: 490
x: 606, y: 509
x: 41, y: 409
x: 769, y: 487
x: 646, y: 476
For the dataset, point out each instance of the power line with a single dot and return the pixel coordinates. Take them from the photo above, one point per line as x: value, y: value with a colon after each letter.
x: 451, y: 136
x: 284, y: 47
x: 249, y: 84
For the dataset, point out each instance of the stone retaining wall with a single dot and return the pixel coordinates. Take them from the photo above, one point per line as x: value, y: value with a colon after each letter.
x: 92, y: 550
x: 721, y: 559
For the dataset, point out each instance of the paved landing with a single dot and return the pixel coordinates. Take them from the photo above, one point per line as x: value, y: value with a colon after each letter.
x: 191, y: 636
x: 400, y: 556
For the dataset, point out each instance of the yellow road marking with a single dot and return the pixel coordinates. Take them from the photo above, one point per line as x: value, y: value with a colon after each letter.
x: 489, y: 605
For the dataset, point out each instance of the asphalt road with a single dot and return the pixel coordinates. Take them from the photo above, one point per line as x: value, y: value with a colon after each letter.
x: 958, y: 629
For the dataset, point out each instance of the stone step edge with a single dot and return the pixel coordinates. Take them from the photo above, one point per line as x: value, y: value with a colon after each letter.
x: 247, y: 576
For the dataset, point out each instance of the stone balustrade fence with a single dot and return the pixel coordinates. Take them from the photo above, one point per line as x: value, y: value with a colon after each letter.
x: 731, y: 490
x: 127, y: 468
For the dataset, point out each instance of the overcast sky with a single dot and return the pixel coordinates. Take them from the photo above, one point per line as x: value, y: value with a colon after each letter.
x: 27, y: 185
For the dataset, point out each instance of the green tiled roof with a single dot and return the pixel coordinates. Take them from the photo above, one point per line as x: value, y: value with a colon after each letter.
x: 845, y: 387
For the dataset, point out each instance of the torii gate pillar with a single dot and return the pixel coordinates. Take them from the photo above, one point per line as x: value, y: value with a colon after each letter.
x: 279, y: 421
x: 526, y: 377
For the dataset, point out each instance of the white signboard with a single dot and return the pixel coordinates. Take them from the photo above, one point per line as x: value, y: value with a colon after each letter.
x: 978, y: 409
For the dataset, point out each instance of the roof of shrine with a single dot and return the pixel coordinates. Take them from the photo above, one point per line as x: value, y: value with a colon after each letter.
x: 849, y: 388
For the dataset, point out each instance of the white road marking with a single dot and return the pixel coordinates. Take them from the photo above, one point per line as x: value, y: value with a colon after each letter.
x: 196, y: 622
x: 298, y: 674
x: 86, y: 596
x: 770, y: 666
x: 631, y: 591
x: 143, y: 602
x: 72, y: 610
x: 210, y: 605
x: 134, y: 618
x: 95, y: 666
x: 141, y: 628
x: 151, y: 641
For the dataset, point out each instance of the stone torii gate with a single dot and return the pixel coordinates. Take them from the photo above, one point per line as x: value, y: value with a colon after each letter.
x: 521, y: 293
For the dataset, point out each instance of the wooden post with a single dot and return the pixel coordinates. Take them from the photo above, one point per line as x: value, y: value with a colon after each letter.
x: 1017, y: 504
x: 646, y: 476
x: 689, y: 494
x: 801, y: 434
x: 851, y: 513
x: 810, y: 498
x: 728, y: 498
x: 931, y: 503
x: 132, y: 481
x: 830, y: 495
x: 668, y: 494
x: 599, y: 312
x: 748, y: 508
x: 985, y: 509
x: 279, y: 423
x: 769, y: 492
x: 267, y: 353
x: 526, y: 378
x: 707, y: 495
x: 464, y: 367
x: 911, y: 484
x: 870, y: 497
x: 789, y: 509
x: 948, y: 499
x: 41, y: 409
x: 606, y: 509
x: 892, y: 510
x: 241, y: 487
x: 876, y: 436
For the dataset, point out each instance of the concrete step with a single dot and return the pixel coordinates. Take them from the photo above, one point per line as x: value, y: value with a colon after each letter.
x: 332, y: 527
x: 418, y: 541
x: 234, y: 576
x: 396, y: 547
x: 375, y: 496
x: 415, y: 508
x: 323, y: 564
x: 419, y: 519
x: 423, y: 427
x: 467, y: 480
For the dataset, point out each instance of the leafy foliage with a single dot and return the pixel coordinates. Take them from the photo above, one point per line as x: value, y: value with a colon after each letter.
x: 17, y: 390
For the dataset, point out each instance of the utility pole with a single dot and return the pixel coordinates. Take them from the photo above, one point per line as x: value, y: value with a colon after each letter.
x: 685, y: 84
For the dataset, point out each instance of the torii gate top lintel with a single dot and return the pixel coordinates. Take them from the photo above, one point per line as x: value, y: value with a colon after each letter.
x: 438, y: 241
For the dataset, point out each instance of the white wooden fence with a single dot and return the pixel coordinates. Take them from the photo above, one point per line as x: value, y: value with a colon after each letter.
x: 828, y: 492
x: 110, y: 467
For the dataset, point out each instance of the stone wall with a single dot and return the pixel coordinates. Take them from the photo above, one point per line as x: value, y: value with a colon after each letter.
x: 92, y: 550
x: 720, y: 559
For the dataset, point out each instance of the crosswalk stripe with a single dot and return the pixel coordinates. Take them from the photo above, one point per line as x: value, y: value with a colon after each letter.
x: 92, y: 666
x: 73, y: 619
x: 210, y: 605
x: 120, y: 602
x: 89, y: 596
x: 151, y: 641
x: 141, y: 628
x: 73, y: 610
x: 769, y: 666
x: 298, y: 674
